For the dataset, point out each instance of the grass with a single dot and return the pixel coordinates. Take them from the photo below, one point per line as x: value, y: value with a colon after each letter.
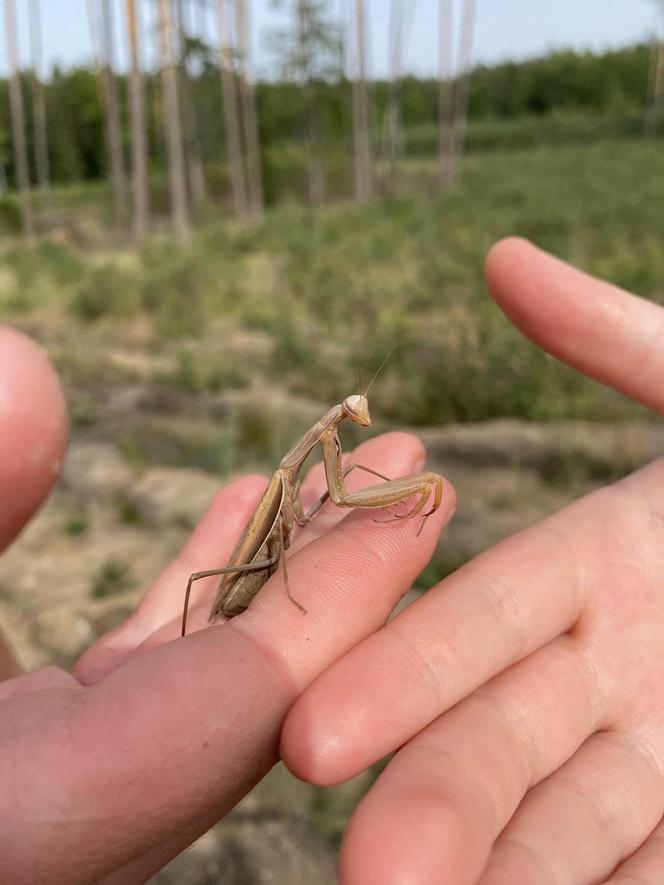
x: 111, y: 579
x: 322, y: 296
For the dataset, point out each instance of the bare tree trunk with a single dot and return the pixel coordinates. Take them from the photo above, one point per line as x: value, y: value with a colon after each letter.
x: 18, y: 125
x: 315, y: 171
x: 658, y: 90
x: 394, y: 127
x: 254, y: 171
x: 446, y: 25
x: 138, y: 139
x: 113, y: 130
x: 457, y: 129
x: 38, y: 99
x: 363, y: 172
x: 191, y: 136
x: 231, y: 117
x: 655, y: 84
x: 179, y: 211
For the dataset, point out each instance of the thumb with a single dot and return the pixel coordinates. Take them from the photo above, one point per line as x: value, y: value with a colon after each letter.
x: 33, y: 418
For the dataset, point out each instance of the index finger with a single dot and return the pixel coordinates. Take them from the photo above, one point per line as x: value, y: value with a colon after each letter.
x: 597, y: 328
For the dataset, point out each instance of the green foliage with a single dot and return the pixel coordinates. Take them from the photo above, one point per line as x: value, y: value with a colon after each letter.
x: 172, y: 288
x: 83, y: 410
x: 610, y: 88
x: 199, y: 372
x: 112, y: 578
x: 302, y: 301
x: 106, y: 290
x: 77, y: 525
x: 10, y: 214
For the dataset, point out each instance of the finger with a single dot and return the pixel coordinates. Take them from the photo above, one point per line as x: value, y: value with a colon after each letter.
x: 485, y: 616
x: 33, y: 417
x: 398, y: 456
x: 601, y: 330
x: 611, y: 793
x: 645, y: 866
x: 209, y: 546
x: 183, y: 730
x: 465, y: 774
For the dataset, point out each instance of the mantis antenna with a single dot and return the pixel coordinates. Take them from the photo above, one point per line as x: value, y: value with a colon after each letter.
x: 378, y: 370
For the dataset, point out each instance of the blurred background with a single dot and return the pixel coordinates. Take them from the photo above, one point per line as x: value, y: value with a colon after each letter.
x: 215, y: 213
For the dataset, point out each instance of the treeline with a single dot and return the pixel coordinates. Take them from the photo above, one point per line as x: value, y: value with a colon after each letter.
x: 598, y: 84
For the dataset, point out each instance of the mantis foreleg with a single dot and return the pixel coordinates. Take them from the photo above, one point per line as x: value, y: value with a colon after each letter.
x: 386, y: 494
x: 303, y: 518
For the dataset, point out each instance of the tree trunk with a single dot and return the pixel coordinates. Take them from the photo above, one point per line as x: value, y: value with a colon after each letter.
x: 655, y: 86
x: 191, y: 134
x: 113, y: 130
x: 231, y: 117
x: 446, y: 26
x: 179, y: 211
x: 138, y: 138
x: 38, y: 99
x: 18, y: 125
x: 457, y: 128
x: 394, y: 127
x: 248, y: 98
x: 363, y: 175
x: 316, y: 175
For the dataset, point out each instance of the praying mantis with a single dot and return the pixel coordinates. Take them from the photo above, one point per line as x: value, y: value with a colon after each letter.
x: 266, y: 538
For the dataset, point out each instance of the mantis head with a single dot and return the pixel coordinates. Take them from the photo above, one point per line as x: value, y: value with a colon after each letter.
x: 356, y: 408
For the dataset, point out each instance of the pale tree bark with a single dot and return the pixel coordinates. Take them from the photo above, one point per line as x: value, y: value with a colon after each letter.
x: 139, y: 152
x: 248, y: 98
x: 192, y: 139
x: 176, y: 170
x: 446, y: 26
x: 38, y: 99
x: 656, y: 77
x: 458, y: 124
x: 231, y: 115
x: 394, y: 121
x: 363, y: 170
x: 18, y: 125
x: 113, y: 130
x: 315, y: 173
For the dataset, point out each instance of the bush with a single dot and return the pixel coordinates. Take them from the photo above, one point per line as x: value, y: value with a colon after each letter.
x: 105, y: 291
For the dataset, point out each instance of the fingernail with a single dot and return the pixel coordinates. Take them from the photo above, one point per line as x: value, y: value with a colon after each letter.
x: 420, y: 464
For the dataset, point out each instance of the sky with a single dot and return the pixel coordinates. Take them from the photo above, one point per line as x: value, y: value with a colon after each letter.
x: 506, y: 29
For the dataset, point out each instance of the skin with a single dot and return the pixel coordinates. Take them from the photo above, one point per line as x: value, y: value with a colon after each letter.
x: 524, y: 690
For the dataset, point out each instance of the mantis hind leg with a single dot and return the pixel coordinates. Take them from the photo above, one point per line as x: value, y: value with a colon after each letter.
x: 227, y: 570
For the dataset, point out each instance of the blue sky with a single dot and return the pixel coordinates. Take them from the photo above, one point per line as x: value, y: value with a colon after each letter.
x: 505, y: 29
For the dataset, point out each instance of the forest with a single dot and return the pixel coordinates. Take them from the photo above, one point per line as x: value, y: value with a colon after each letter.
x: 195, y: 133
x: 613, y: 85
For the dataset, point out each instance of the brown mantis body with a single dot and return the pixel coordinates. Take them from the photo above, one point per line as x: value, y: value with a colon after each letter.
x: 266, y: 538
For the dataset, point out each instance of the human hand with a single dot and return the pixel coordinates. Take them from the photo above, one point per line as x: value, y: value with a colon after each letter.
x: 111, y: 771
x: 524, y: 690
